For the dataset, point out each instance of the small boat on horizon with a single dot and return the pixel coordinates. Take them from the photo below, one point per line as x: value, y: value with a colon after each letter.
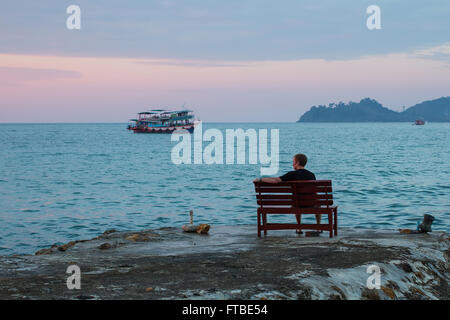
x: 163, y: 121
x: 419, y: 122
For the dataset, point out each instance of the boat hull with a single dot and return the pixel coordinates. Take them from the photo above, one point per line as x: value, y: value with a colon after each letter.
x: 188, y: 128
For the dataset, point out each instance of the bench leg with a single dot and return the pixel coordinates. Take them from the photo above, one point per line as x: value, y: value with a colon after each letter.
x: 330, y: 223
x: 335, y: 221
x: 299, y: 221
x: 265, y: 223
x: 259, y: 223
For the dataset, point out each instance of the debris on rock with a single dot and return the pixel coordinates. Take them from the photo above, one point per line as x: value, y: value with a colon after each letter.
x: 105, y: 246
x: 203, y: 228
x: 189, y: 228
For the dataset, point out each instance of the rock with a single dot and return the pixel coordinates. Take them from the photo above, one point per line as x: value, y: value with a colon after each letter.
x: 62, y: 248
x: 339, y: 296
x: 85, y: 297
x: 44, y: 251
x: 148, y: 289
x: 105, y: 246
x: 305, y: 294
x: 66, y: 246
x: 389, y: 292
x: 137, y: 237
x: 416, y: 293
x: 419, y: 275
x: 370, y: 294
x: 110, y: 231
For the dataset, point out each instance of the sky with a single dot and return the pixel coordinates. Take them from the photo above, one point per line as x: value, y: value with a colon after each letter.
x: 229, y: 61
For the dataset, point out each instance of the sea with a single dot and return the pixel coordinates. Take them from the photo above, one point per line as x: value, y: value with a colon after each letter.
x: 62, y: 182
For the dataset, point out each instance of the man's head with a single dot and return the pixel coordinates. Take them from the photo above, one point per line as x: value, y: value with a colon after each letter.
x: 299, y: 161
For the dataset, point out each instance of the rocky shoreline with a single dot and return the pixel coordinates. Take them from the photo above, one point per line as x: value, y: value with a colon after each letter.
x: 231, y: 262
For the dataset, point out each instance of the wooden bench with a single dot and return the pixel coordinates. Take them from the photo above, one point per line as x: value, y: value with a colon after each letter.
x: 296, y: 197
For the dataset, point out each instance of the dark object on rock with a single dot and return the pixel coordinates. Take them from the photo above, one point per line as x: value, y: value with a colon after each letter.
x: 312, y: 234
x: 85, y: 297
x: 105, y: 246
x: 406, y: 267
x: 425, y: 226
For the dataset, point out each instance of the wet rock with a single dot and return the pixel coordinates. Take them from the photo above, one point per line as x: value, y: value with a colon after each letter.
x: 447, y: 255
x: 389, y: 292
x: 85, y: 297
x: 43, y: 251
x: 370, y: 294
x: 419, y: 275
x: 137, y: 237
x: 297, y: 267
x: 406, y: 267
x: 340, y: 294
x: 415, y: 294
x: 66, y: 246
x: 110, y: 231
x: 392, y: 285
x: 305, y: 294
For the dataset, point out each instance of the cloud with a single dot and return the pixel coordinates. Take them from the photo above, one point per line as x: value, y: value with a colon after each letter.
x: 194, y: 63
x: 440, y: 53
x: 15, y: 75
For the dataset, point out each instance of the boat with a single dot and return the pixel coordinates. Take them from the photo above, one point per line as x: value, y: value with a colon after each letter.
x: 419, y: 122
x: 163, y: 121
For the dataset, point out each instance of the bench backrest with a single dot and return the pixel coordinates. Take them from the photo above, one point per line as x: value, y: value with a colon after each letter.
x: 297, y: 194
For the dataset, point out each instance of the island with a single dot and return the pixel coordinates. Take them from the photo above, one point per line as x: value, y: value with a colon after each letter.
x: 370, y: 110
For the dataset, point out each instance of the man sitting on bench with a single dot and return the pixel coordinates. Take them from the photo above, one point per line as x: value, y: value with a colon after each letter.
x: 300, y: 173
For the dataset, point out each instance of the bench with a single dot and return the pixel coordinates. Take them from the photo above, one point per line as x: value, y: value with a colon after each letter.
x: 296, y: 197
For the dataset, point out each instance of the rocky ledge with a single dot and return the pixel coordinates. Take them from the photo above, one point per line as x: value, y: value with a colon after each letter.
x: 231, y: 262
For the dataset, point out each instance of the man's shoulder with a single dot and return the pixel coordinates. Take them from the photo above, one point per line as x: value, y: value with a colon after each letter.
x: 301, y: 174
x: 309, y: 172
x: 308, y: 175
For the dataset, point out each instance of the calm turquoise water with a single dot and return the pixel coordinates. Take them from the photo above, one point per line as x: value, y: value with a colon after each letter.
x: 60, y: 182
